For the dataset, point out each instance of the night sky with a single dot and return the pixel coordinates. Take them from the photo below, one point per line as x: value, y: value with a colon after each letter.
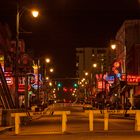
x: 64, y: 25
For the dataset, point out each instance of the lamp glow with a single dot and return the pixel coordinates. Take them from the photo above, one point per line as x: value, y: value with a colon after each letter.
x: 113, y: 46
x: 35, y: 13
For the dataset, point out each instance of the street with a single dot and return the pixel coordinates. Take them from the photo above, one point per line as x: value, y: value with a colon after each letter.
x: 77, y: 122
x: 69, y: 70
x: 78, y: 136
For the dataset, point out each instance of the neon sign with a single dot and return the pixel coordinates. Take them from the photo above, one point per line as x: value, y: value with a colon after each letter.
x: 9, y: 78
x: 101, y: 85
x: 117, y: 68
x: 21, y: 87
x: 131, y: 78
x: 109, y: 78
x: 35, y: 84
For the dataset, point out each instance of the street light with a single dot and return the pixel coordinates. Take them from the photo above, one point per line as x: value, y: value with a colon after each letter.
x: 51, y: 70
x: 121, y: 56
x: 86, y: 73
x: 35, y: 13
x: 18, y: 16
x: 47, y: 60
x: 94, y: 65
x: 113, y: 46
x: 121, y: 52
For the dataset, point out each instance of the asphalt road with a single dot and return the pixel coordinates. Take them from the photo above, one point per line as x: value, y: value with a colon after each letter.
x: 49, y: 127
x: 77, y: 136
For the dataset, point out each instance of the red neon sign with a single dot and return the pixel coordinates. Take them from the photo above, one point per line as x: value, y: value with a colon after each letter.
x: 21, y: 87
x: 116, y: 64
x: 9, y: 78
x: 101, y: 85
x: 131, y: 78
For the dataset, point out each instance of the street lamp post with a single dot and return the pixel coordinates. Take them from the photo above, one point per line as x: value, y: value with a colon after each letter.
x: 122, y: 52
x: 94, y: 66
x: 38, y: 81
x: 42, y: 70
x: 121, y: 55
x: 16, y: 72
x: 93, y: 78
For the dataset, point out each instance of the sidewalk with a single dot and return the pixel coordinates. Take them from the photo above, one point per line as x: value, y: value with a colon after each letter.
x: 6, y: 128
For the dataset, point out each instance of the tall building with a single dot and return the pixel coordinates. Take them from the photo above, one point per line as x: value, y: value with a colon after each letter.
x: 86, y: 57
x: 128, y: 49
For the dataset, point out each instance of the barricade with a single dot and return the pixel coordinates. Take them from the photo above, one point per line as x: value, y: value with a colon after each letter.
x: 17, y: 117
x: 106, y: 114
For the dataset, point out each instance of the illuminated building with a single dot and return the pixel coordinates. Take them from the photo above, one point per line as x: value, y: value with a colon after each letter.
x: 86, y: 57
x: 127, y: 52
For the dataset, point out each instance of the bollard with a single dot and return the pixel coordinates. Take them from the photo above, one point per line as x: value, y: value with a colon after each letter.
x: 17, y: 123
x: 64, y: 120
x: 137, y: 121
x: 106, y: 116
x: 90, y: 120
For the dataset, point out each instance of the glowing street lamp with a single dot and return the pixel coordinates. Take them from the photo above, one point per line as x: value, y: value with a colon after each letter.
x: 121, y: 53
x: 35, y: 13
x: 47, y: 60
x: 47, y: 78
x: 50, y: 83
x: 18, y: 16
x: 94, y: 65
x: 86, y: 73
x: 113, y: 46
x: 51, y: 70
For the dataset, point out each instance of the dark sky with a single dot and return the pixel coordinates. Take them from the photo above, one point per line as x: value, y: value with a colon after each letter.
x: 64, y: 25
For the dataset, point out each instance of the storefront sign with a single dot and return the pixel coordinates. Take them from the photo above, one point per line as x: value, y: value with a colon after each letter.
x: 131, y: 79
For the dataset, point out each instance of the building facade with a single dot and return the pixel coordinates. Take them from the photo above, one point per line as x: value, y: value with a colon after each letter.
x: 128, y: 38
x: 86, y: 57
x: 128, y: 50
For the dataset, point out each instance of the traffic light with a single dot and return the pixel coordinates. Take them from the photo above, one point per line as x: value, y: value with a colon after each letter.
x: 59, y: 84
x: 65, y: 89
x: 75, y: 85
x: 71, y: 89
